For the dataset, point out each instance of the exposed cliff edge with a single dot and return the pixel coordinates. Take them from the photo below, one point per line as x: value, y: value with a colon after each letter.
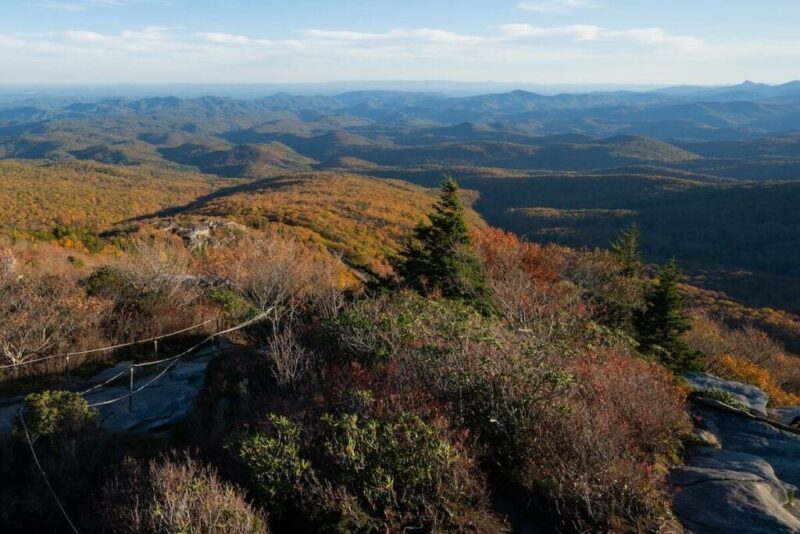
x: 747, y: 472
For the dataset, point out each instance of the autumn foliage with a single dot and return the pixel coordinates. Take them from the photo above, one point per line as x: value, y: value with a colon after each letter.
x: 748, y: 355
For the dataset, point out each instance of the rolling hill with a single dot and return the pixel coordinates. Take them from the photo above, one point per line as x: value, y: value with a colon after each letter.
x: 36, y: 198
x: 685, y: 163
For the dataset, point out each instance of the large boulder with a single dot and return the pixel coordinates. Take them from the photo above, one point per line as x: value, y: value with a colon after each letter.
x: 724, y: 491
x: 738, y: 433
x: 167, y: 399
x: 752, y: 397
x: 748, y: 483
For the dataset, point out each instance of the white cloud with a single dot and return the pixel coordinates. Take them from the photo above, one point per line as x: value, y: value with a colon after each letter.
x: 86, y: 37
x: 650, y: 37
x: 554, y: 6
x: 657, y: 36
x: 7, y: 41
x: 150, y: 33
x: 225, y: 38
x: 512, y: 52
x: 336, y: 35
x: 581, y: 32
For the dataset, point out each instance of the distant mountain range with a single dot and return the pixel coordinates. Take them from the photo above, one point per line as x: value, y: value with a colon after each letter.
x: 693, y: 166
x: 689, y: 113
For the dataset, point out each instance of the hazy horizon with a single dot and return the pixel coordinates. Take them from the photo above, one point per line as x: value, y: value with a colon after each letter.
x: 447, y: 88
x: 545, y: 42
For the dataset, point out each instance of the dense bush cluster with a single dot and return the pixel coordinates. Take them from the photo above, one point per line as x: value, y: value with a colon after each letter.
x: 362, y: 472
x: 543, y: 380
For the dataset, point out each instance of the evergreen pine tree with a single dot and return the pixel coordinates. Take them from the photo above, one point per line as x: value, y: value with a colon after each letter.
x: 660, y: 325
x: 626, y: 251
x: 439, y: 258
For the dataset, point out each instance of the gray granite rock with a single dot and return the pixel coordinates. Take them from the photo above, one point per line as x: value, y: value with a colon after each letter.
x: 752, y: 397
x: 161, y: 405
x: 787, y: 416
x: 723, y: 491
x: 737, y: 433
x: 748, y: 483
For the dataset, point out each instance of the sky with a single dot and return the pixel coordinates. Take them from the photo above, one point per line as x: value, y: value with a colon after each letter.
x: 648, y: 42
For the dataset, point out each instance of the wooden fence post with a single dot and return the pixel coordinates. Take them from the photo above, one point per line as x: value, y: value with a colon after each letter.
x: 130, y: 396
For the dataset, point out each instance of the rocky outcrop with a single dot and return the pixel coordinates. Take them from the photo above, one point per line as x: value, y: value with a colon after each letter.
x: 722, y: 491
x: 749, y: 482
x: 750, y: 396
x: 159, y: 406
x: 204, y: 232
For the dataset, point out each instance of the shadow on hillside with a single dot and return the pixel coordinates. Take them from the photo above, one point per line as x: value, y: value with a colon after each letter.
x: 277, y: 182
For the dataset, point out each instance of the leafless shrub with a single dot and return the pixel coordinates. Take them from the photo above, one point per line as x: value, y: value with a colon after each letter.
x: 151, y: 290
x: 39, y: 315
x: 278, y: 272
x: 290, y: 361
x: 157, y: 266
x: 330, y: 285
x: 608, y: 295
x: 527, y: 284
x: 172, y: 496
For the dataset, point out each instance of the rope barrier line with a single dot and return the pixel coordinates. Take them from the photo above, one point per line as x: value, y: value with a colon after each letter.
x: 107, y: 382
x: 105, y: 349
x: 44, y: 475
x: 174, y: 359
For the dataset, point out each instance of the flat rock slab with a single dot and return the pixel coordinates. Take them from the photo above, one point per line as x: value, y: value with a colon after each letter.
x: 724, y: 491
x: 164, y: 403
x: 738, y: 433
x: 751, y: 396
x: 786, y: 416
x: 748, y: 484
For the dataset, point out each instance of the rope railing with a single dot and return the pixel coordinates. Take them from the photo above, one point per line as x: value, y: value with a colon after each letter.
x: 107, y: 382
x: 171, y: 362
x: 106, y: 349
x: 41, y: 472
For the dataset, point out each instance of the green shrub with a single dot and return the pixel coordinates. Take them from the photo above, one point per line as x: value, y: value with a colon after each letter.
x: 374, y: 330
x: 497, y: 388
x: 84, y: 234
x: 105, y: 280
x: 719, y: 395
x: 273, y: 461
x: 373, y: 481
x: 352, y: 473
x: 53, y: 413
x: 235, y: 305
